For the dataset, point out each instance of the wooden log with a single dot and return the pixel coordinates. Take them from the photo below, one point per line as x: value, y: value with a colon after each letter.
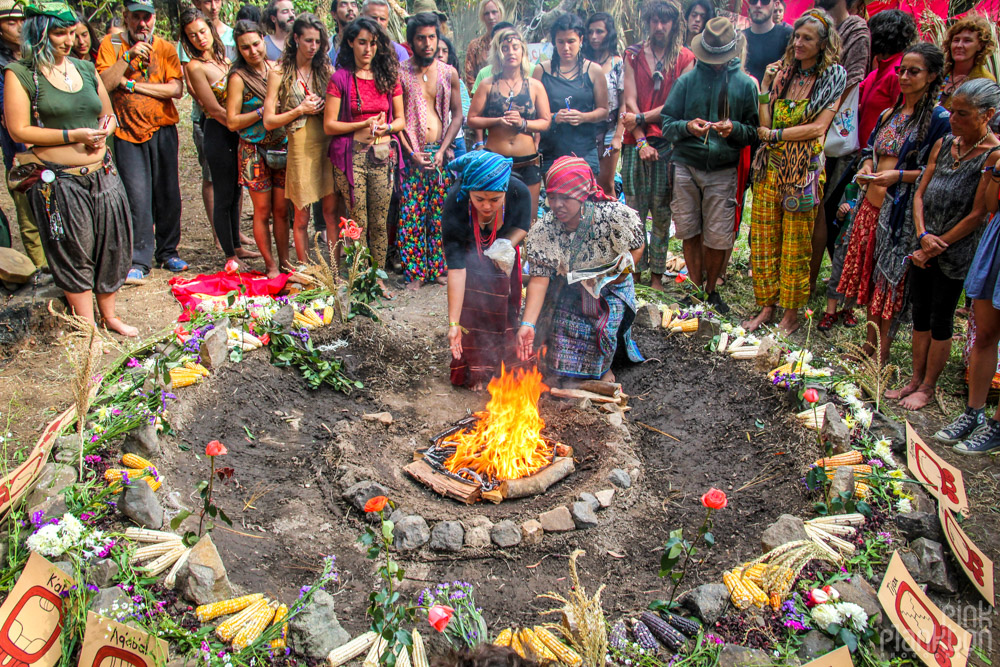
x: 540, y: 481
x: 495, y: 496
x: 15, y: 267
x: 564, y: 451
x: 612, y: 389
x: 577, y: 394
x: 444, y: 485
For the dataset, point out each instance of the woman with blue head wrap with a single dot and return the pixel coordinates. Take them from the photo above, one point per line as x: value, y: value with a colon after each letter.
x: 485, y: 217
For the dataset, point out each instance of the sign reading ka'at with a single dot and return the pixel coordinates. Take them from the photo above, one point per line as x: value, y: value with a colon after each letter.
x: 942, y: 480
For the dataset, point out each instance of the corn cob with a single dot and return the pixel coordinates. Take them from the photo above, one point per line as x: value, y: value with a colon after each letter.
x: 327, y: 318
x: 759, y: 596
x: 375, y: 652
x: 313, y: 315
x: 644, y: 637
x: 754, y: 573
x: 114, y: 475
x: 171, y: 579
x: 859, y: 471
x: 618, y: 636
x: 403, y: 659
x: 136, y: 462
x: 515, y: 644
x: 685, y: 326
x: 723, y: 341
x: 351, y: 649
x: 226, y: 631
x: 741, y: 596
x: 206, y: 612
x: 667, y: 635
x: 161, y: 564
x: 183, y: 377
x: 668, y: 315
x: 685, y: 625
x: 535, y: 645
x: 503, y: 639
x: 153, y: 550
x: 565, y: 654
x: 419, y: 652
x: 738, y: 343
x: 775, y: 600
x: 861, y: 490
x: 197, y: 368
x: 149, y: 535
x: 852, y: 457
x: 743, y: 352
x: 253, y: 627
x: 279, y: 616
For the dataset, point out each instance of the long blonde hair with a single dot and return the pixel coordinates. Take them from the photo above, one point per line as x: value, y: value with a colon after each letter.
x: 827, y: 33
x: 482, y: 8
x: 496, y: 58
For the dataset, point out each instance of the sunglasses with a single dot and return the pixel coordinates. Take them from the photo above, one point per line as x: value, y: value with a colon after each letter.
x: 762, y: 3
x: 912, y: 71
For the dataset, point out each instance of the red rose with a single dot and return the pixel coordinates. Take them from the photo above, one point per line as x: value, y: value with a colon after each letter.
x: 679, y: 279
x: 811, y: 395
x: 714, y: 499
x: 215, y: 448
x: 352, y: 231
x: 376, y: 504
x: 439, y: 615
x: 232, y: 266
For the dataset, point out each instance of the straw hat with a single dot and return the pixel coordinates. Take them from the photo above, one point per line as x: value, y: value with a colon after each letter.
x: 11, y: 10
x: 420, y: 6
x: 718, y: 43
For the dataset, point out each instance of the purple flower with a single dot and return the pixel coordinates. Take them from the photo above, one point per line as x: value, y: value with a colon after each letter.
x: 714, y: 639
x: 92, y: 459
x: 133, y: 362
x: 37, y: 517
x: 92, y: 587
x: 115, y: 411
x: 94, y: 438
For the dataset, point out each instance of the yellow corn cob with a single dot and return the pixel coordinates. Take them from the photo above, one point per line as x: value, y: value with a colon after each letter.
x: 372, y: 659
x: 861, y: 490
x: 775, y: 599
x: 515, y: 644
x: 252, y: 628
x: 311, y: 314
x: 859, y: 471
x: 759, y: 596
x: 668, y: 315
x: 755, y: 573
x: 503, y: 639
x: 847, y: 458
x: 685, y: 326
x: 197, y: 368
x: 279, y: 616
x: 565, y: 654
x: 535, y: 645
x: 114, y: 475
x: 228, y: 630
x: 206, y: 612
x: 741, y: 596
x: 134, y: 461
x: 419, y: 652
x: 327, y: 318
x: 352, y: 649
x: 303, y: 321
x: 183, y: 377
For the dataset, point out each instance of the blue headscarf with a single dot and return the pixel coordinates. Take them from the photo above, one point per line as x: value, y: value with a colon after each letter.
x: 482, y: 170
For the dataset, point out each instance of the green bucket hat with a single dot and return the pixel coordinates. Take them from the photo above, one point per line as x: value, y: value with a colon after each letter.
x: 53, y: 8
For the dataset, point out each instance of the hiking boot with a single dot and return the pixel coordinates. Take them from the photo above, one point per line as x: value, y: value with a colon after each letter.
x: 984, y: 441
x: 829, y: 319
x: 716, y: 302
x: 962, y: 428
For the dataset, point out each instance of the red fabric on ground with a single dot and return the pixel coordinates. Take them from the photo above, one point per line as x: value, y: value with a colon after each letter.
x: 192, y: 291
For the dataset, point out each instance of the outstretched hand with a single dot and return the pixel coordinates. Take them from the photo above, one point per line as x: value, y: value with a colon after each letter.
x: 525, y: 343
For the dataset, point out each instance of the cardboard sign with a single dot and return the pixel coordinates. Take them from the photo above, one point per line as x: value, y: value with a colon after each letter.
x: 938, y: 640
x: 977, y: 566
x: 107, y: 643
x: 943, y: 481
x: 839, y: 658
x: 14, y: 485
x: 31, y: 616
x: 539, y: 51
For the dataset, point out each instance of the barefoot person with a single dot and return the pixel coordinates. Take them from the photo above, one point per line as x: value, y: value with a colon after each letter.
x: 798, y: 100
x: 585, y: 232
x: 261, y: 153
x: 949, y: 210
x: 77, y: 199
x: 486, y: 208
x: 433, y: 103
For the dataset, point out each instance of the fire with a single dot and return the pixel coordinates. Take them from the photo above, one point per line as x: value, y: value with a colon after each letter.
x: 506, y: 442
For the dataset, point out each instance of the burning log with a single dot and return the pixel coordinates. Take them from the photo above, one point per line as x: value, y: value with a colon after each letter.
x: 540, y: 481
x: 612, y: 389
x: 444, y: 485
x: 577, y: 394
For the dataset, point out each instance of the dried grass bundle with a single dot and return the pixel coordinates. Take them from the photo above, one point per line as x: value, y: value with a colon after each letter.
x: 583, y: 623
x: 868, y: 372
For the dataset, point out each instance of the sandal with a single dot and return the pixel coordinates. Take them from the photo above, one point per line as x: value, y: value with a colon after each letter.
x: 829, y: 319
x: 849, y: 319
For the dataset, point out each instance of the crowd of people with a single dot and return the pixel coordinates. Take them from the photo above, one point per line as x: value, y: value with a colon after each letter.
x: 851, y: 137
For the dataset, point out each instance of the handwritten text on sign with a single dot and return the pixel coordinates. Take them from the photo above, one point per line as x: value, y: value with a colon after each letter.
x: 943, y: 481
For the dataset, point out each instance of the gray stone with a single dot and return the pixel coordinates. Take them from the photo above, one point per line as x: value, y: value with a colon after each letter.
x: 787, y: 528
x: 558, y: 520
x: 55, y: 477
x: 398, y: 514
x: 203, y: 578
x: 616, y: 419
x: 604, y: 497
x: 884, y: 427
x: 360, y: 493
x: 591, y: 500
x: 835, y: 432
x: 103, y: 572
x: 583, y: 515
x: 620, y: 478
x: 732, y: 655
x: 66, y: 567
x: 506, y: 534
x: 447, y: 536
x: 934, y: 569
x: 411, y: 533
x: 707, y: 329
x: 861, y: 593
x: 768, y: 355
x: 66, y: 456
x: 532, y: 532
x: 68, y: 442
x: 814, y: 645
x: 214, y: 351
x: 914, y: 525
x: 51, y: 507
x: 842, y: 482
x: 15, y: 267
x: 910, y: 560
x: 477, y: 537
x: 143, y: 440
x: 706, y: 602
x: 138, y: 502
x: 105, y: 600
x: 282, y: 318
x: 315, y: 630
x: 481, y: 521
x: 648, y: 316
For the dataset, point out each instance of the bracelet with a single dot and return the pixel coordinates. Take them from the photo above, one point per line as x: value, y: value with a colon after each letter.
x: 454, y: 324
x: 780, y: 130
x: 923, y: 235
x: 524, y: 126
x: 127, y: 57
x: 764, y: 98
x: 528, y: 324
x: 65, y: 136
x: 640, y: 119
x: 641, y: 143
x: 130, y: 86
x: 900, y: 176
x: 260, y: 113
x: 478, y: 145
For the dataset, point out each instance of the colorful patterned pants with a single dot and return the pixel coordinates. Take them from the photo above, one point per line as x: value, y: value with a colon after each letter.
x: 646, y: 186
x: 780, y: 247
x: 370, y: 209
x: 419, y: 239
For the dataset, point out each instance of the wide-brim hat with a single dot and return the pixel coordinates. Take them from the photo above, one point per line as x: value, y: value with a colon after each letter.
x: 421, y: 6
x: 718, y: 43
x: 11, y: 10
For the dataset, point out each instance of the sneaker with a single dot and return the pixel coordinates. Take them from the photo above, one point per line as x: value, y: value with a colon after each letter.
x: 962, y: 428
x: 136, y: 276
x: 716, y: 302
x: 174, y: 265
x: 984, y: 441
x: 848, y: 316
x: 829, y: 319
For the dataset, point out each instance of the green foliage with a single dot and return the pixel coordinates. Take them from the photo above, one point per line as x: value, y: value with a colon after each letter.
x: 297, y: 350
x: 676, y: 547
x: 363, y: 277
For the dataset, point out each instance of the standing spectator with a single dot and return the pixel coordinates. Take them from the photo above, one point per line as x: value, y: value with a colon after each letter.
x: 778, y: 13
x: 446, y: 54
x: 949, y: 209
x: 578, y: 90
x: 602, y: 48
x: 477, y: 53
x: 279, y: 15
x: 143, y: 76
x: 892, y: 32
x: 967, y: 45
x: 767, y: 39
x: 433, y: 111
x: 798, y: 99
x: 85, y: 46
x: 513, y: 108
x: 696, y: 17
x: 261, y: 152
x: 651, y: 68
x: 293, y: 102
x: 249, y: 12
x: 855, y: 54
x: 378, y: 11
x: 344, y: 11
x: 364, y: 108
x: 710, y: 115
x: 11, y: 23
x: 58, y: 106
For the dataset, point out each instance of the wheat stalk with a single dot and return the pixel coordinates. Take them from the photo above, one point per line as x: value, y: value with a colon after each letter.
x: 868, y: 372
x: 583, y: 618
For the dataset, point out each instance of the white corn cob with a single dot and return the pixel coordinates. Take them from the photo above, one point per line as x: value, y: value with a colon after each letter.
x: 419, y: 652
x: 372, y: 659
x: 359, y: 645
x: 153, y: 551
x: 723, y: 341
x: 161, y: 564
x: 149, y: 535
x: 403, y: 659
x: 171, y: 579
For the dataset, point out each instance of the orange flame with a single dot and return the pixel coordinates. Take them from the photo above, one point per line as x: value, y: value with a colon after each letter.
x: 506, y: 442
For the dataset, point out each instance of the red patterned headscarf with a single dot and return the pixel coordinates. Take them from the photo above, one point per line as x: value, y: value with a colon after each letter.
x: 571, y: 176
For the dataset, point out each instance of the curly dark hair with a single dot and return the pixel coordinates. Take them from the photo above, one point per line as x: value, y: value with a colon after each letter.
x: 452, y: 54
x: 610, y: 41
x: 709, y: 8
x: 933, y: 59
x: 249, y: 12
x: 568, y: 22
x: 385, y: 65
x: 892, y: 31
x: 189, y: 16
x: 320, y: 65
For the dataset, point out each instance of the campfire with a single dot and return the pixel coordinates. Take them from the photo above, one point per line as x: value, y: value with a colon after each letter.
x: 498, y: 453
